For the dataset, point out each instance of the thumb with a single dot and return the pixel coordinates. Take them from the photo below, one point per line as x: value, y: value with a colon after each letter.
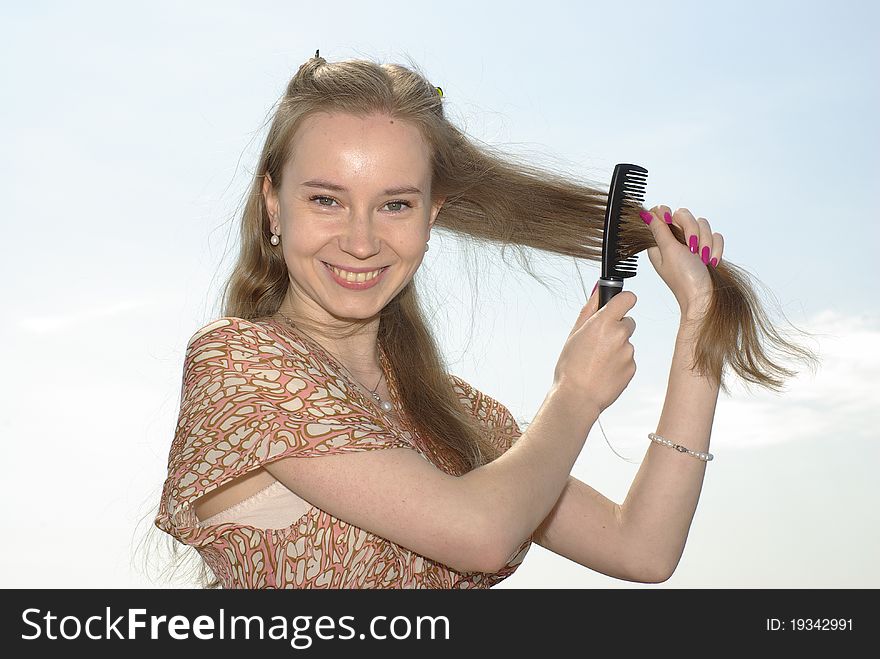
x: 588, y: 310
x: 593, y: 302
x: 663, y: 235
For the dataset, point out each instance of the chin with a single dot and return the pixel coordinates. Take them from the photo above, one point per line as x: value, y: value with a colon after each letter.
x: 353, y: 317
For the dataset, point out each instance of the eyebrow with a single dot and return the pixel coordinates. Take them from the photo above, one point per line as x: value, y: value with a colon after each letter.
x: 320, y: 183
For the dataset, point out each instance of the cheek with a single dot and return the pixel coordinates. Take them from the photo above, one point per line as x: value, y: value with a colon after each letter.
x: 301, y: 257
x: 304, y: 238
x: 410, y: 244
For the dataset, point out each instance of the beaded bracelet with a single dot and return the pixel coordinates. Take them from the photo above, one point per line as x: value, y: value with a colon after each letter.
x: 678, y: 447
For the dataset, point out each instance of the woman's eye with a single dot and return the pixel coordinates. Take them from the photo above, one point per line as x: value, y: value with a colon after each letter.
x: 399, y: 202
x: 319, y: 198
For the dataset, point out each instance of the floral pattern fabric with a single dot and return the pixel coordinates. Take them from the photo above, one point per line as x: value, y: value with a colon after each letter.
x: 255, y: 391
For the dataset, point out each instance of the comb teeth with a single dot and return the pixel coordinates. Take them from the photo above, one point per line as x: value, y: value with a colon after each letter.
x: 627, y: 267
x: 627, y: 189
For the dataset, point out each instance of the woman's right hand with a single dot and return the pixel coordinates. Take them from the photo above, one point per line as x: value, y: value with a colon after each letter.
x: 597, y: 362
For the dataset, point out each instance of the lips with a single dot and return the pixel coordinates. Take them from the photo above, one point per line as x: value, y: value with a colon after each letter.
x: 355, y: 285
x: 355, y: 270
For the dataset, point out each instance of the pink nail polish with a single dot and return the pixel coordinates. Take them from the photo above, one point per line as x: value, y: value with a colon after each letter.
x: 705, y: 255
x: 693, y: 243
x: 714, y: 262
x: 594, y: 288
x: 646, y: 216
x: 667, y: 217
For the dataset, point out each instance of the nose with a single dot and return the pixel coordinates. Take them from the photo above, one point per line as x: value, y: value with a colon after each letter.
x: 360, y: 238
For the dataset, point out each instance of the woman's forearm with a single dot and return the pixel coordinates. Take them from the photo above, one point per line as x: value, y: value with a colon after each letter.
x: 662, y: 499
x: 518, y: 490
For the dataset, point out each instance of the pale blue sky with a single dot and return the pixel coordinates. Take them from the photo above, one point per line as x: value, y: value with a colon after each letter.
x: 129, y: 131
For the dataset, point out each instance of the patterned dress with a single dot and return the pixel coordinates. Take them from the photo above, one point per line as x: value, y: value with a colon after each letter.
x: 255, y: 391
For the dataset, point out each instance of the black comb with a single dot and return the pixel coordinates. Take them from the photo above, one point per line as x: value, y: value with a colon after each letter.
x: 627, y: 191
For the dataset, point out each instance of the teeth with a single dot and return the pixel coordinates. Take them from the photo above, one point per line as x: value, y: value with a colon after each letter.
x: 355, y: 277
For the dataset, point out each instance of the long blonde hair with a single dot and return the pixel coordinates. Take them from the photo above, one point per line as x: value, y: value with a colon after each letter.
x: 490, y: 197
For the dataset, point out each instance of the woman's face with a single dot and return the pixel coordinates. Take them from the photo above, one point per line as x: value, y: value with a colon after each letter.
x: 355, y: 194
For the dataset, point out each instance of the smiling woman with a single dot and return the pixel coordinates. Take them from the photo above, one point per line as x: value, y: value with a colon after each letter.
x: 321, y: 442
x: 373, y: 241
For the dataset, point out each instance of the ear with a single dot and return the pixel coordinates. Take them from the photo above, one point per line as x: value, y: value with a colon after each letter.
x: 435, y: 209
x: 270, y: 198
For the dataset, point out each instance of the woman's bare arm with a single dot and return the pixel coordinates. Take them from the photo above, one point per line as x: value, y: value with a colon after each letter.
x: 661, y: 502
x: 586, y: 527
x: 643, y: 540
x: 472, y: 522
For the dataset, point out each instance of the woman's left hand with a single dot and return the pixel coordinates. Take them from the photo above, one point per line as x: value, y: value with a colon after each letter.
x: 684, y: 268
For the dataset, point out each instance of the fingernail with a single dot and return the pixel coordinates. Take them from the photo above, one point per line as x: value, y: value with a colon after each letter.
x: 694, y: 242
x: 646, y: 216
x: 714, y: 262
x: 705, y: 255
x: 594, y: 288
x: 667, y: 217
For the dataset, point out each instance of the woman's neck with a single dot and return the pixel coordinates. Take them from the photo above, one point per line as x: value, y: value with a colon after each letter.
x: 359, y: 353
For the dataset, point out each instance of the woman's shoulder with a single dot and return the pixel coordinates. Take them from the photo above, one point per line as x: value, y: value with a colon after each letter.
x: 227, y: 327
x: 487, y: 409
x: 249, y: 336
x: 480, y: 403
x: 462, y: 387
x: 468, y: 392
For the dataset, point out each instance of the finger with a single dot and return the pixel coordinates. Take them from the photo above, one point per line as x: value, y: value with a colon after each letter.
x: 590, y: 308
x: 662, y: 233
x: 689, y: 227
x: 593, y: 303
x: 664, y: 212
x: 654, y: 252
x: 620, y: 304
x: 717, y: 249
x: 705, y: 248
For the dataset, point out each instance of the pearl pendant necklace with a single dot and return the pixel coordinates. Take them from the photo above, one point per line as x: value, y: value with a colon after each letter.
x: 384, y: 404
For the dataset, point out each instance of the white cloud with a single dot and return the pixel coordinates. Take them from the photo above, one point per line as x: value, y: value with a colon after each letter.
x: 839, y: 401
